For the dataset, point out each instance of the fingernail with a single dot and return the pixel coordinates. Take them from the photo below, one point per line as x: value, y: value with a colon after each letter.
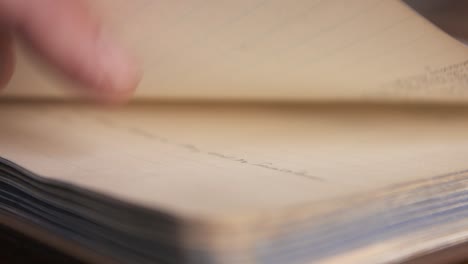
x: 120, y: 71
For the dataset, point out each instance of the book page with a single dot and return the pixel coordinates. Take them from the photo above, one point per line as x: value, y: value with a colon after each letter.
x: 272, y: 50
x: 202, y: 161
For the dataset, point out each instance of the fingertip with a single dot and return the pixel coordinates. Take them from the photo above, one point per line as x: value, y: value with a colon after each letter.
x: 111, y: 96
x: 116, y: 85
x: 120, y: 73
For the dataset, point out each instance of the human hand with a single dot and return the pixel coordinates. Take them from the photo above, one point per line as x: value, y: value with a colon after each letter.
x: 66, y: 35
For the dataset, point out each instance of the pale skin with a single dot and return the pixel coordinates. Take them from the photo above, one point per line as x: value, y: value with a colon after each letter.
x: 66, y: 35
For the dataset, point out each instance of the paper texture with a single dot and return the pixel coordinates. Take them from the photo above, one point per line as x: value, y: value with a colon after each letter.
x: 252, y: 159
x: 271, y: 50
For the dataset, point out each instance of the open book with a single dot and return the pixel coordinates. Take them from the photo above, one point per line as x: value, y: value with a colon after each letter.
x: 321, y: 154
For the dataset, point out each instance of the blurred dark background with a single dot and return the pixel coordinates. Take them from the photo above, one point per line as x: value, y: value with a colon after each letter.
x: 450, y: 15
x: 16, y: 248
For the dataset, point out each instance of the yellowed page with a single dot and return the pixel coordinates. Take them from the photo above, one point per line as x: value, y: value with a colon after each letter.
x: 297, y: 50
x: 203, y: 161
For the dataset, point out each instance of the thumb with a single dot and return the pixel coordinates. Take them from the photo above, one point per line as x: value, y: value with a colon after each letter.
x: 71, y: 39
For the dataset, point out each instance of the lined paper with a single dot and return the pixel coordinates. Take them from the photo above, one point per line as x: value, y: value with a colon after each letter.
x: 273, y: 50
x: 252, y: 159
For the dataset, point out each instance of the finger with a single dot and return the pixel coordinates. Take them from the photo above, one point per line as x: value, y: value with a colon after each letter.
x: 67, y: 35
x: 7, y: 59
